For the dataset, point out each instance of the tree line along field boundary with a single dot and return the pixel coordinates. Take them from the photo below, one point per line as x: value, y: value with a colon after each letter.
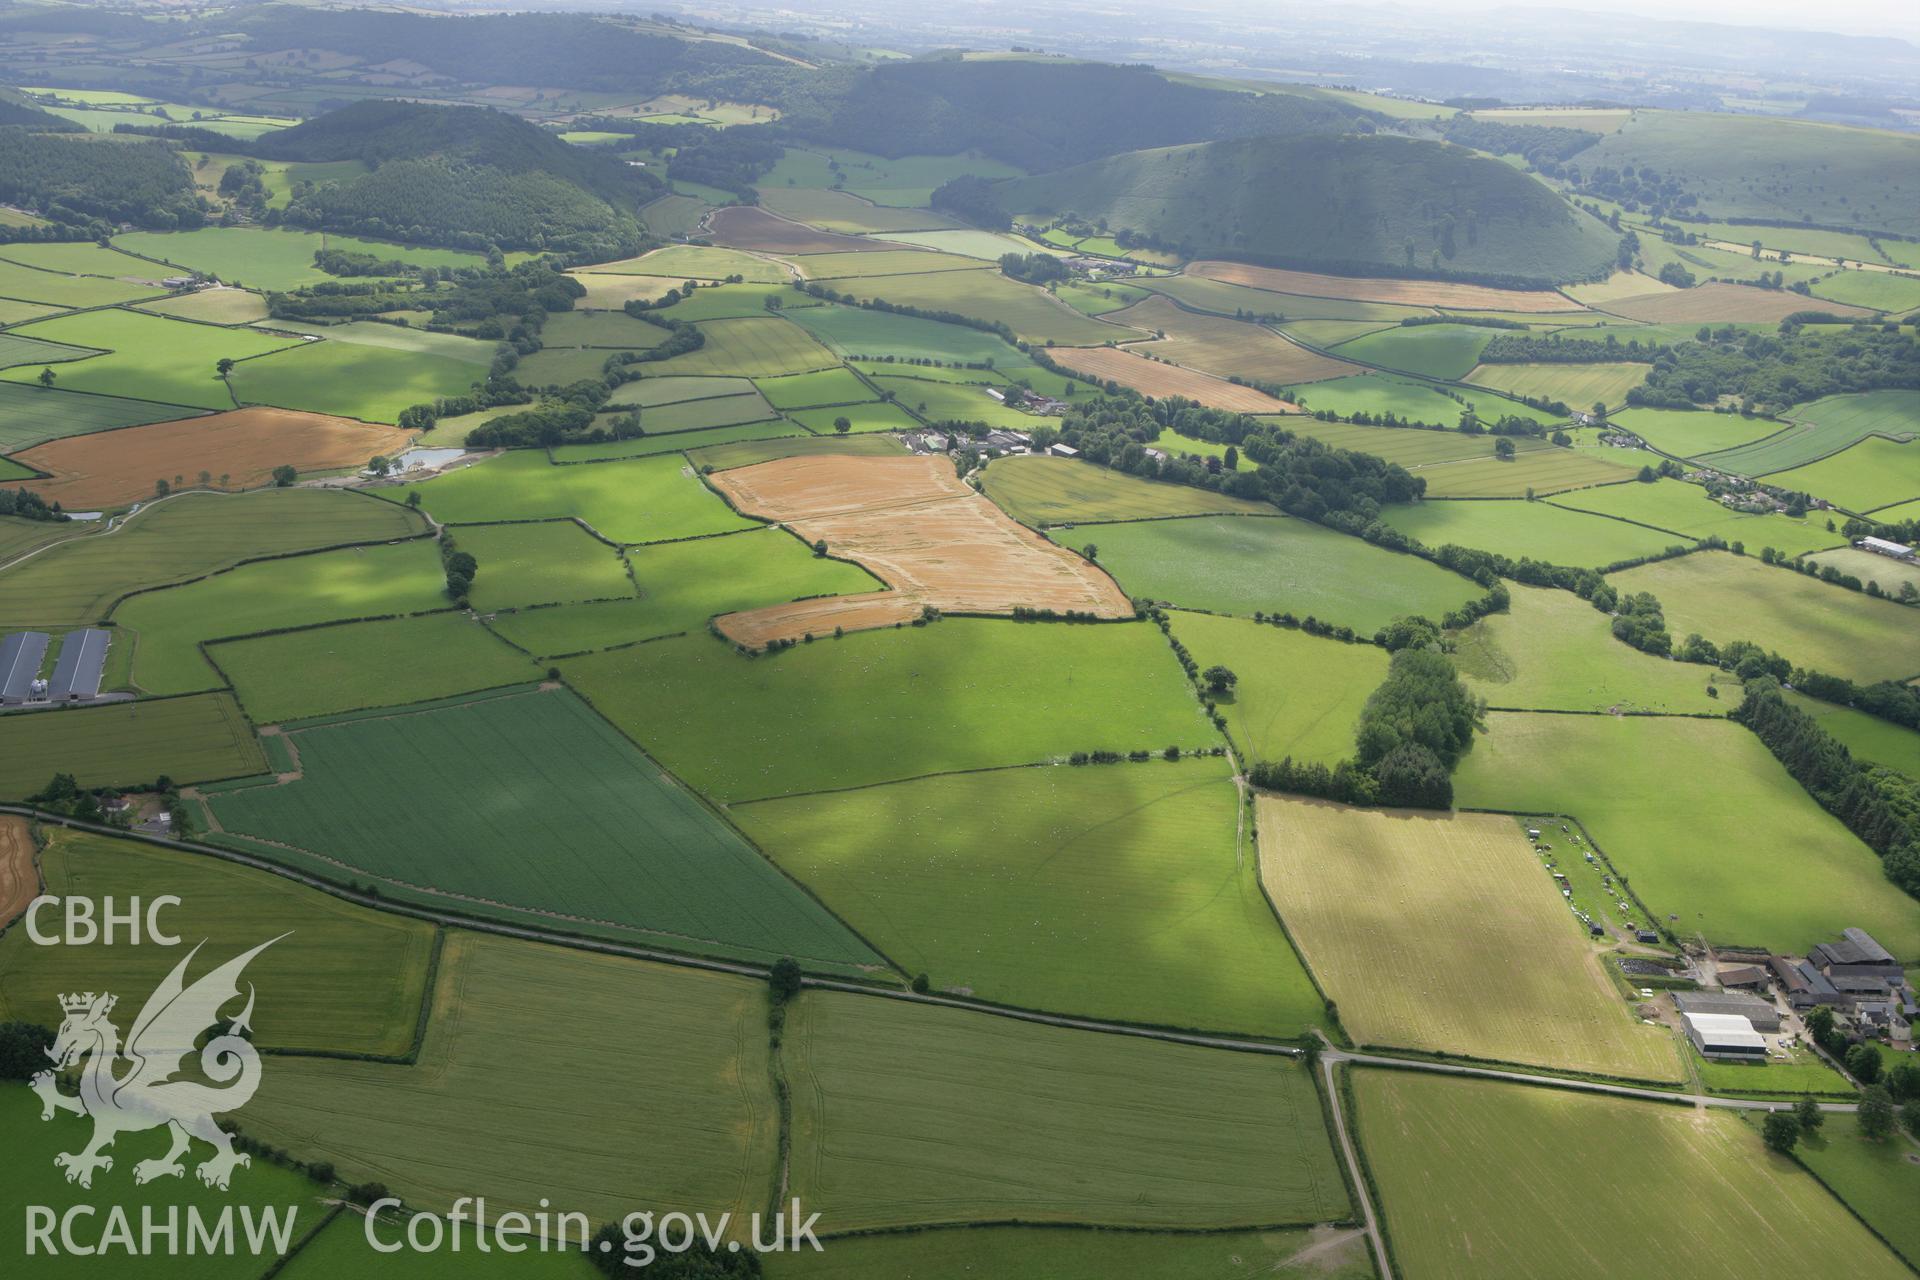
x: 421, y: 1020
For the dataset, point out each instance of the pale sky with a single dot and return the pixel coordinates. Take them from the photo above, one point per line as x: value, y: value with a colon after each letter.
x: 1853, y: 17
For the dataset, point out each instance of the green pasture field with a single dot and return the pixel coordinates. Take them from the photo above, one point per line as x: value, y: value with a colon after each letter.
x: 1806, y: 1073
x: 13, y: 311
x: 79, y: 258
x: 1222, y: 298
x: 1018, y: 371
x: 340, y: 977
x: 341, y: 1249
x: 31, y: 1177
x: 960, y: 402
x: 970, y: 243
x: 1378, y: 394
x: 884, y: 705
x: 863, y: 417
x: 185, y: 537
x: 1903, y: 511
x: 575, y: 824
x: 646, y: 500
x: 960, y: 1253
x: 856, y: 331
x: 674, y: 442
x: 682, y: 585
x: 698, y: 262
x: 1435, y: 350
x: 366, y: 664
x: 1026, y: 1129
x: 1041, y: 491
x: 1098, y: 299
x: 1802, y: 242
x: 837, y: 211
x: 1717, y: 846
x: 1707, y: 1199
x: 18, y: 537
x: 1879, y: 290
x: 212, y: 306
x: 1880, y: 1181
x: 723, y: 457
x: 1330, y: 333
x: 1537, y: 529
x: 11, y: 470
x: 1027, y: 1126
x: 1403, y: 914
x: 148, y: 357
x: 1032, y: 313
x: 1869, y: 566
x: 1298, y: 697
x: 561, y: 366
x: 543, y: 562
x: 33, y: 414
x: 273, y: 258
x: 127, y: 744
x: 673, y: 214
x: 907, y: 182
x: 700, y: 415
x: 1874, y: 473
x: 807, y: 390
x: 1241, y: 565
x: 1825, y: 628
x: 738, y: 301
x: 611, y: 292
x: 1868, y: 737
x: 1019, y: 886
x: 758, y: 347
x: 164, y: 629
x: 393, y: 337
x: 1576, y: 384
x: 1693, y: 433
x: 598, y: 329
x: 652, y: 392
x: 28, y: 284
x: 1823, y: 428
x: 1411, y: 447
x: 354, y: 381
x: 1685, y: 509
x: 1552, y: 651
x: 864, y: 263
x: 1544, y: 471
x: 507, y: 1013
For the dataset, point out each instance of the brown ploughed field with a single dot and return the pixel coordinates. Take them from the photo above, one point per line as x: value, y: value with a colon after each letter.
x: 1413, y: 293
x: 1724, y: 302
x: 740, y: 226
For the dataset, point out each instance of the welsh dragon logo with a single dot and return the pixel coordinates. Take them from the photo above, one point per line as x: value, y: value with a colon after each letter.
x: 146, y: 1094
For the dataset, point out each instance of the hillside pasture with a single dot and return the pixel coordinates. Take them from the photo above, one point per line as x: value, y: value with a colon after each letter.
x: 1518, y: 1207
x: 1033, y: 314
x: 860, y: 332
x: 838, y: 211
x: 1688, y: 433
x: 673, y: 442
x: 1411, y: 447
x: 1225, y: 299
x: 1402, y: 914
x: 462, y: 1121
x: 1044, y: 1124
x: 1822, y: 627
x: 600, y: 329
x: 541, y: 562
x: 1864, y: 477
x: 1575, y: 384
x: 1039, y: 491
x: 812, y: 390
x: 757, y: 347
x: 32, y: 414
x: 653, y: 392
x: 328, y: 670
x: 339, y: 977
x: 576, y: 825
x: 353, y: 380
x: 61, y: 291
x: 277, y: 258
x: 738, y: 302
x: 128, y: 744
x: 959, y: 402
x: 1379, y: 394
x: 1867, y: 737
x: 1016, y: 885
x: 1712, y: 846
x: 859, y: 710
x: 1154, y: 378
x: 1537, y: 529
x: 1418, y: 293
x: 722, y: 457
x: 872, y: 258
x: 703, y: 415
x: 1298, y: 696
x: 1228, y: 348
x: 1877, y: 1180
x: 1822, y: 429
x: 645, y: 500
x: 147, y: 357
x: 1273, y: 565
x: 1553, y: 651
x: 215, y: 305
x: 860, y: 418
x: 761, y: 231
x: 242, y: 447
x: 1432, y: 350
x: 608, y: 291
x: 185, y: 537
x: 1716, y: 302
x: 1686, y: 510
x: 1870, y: 566
x: 677, y: 262
x: 1544, y: 471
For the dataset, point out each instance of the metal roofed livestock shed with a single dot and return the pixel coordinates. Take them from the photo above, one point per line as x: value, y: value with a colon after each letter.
x: 1750, y: 1008
x: 1724, y: 1035
x: 82, y: 662
x: 20, y: 657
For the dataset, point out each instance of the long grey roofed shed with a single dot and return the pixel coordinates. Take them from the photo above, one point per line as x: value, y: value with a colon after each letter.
x: 82, y: 663
x: 20, y: 656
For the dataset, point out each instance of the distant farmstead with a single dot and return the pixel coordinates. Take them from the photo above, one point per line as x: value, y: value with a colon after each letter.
x: 1881, y: 546
x: 1724, y: 1035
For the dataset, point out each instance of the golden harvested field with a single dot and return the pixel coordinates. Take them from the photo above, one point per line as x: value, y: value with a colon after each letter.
x: 1579, y: 384
x: 914, y: 524
x: 609, y: 292
x: 1229, y: 348
x: 1714, y: 302
x: 1621, y: 284
x: 19, y: 878
x: 1418, y: 293
x: 1445, y: 932
x: 742, y: 226
x: 112, y: 468
x: 1150, y: 377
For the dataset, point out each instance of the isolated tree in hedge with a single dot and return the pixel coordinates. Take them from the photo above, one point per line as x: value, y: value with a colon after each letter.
x: 224, y: 366
x: 1876, y: 1112
x: 1503, y: 449
x: 1904, y: 1081
x: 1781, y: 1131
x: 1863, y: 1063
x: 46, y: 377
x: 1220, y: 680
x: 284, y: 476
x: 843, y: 424
x: 1808, y: 1115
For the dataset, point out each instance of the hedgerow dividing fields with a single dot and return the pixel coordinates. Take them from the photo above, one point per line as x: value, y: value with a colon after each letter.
x: 1044, y: 1124
x: 185, y: 537
x: 1544, y: 471
x: 1735, y: 848
x: 1709, y: 1199
x: 1435, y: 350
x: 1240, y: 565
x: 148, y: 357
x: 1865, y: 477
x: 1018, y: 886
x: 723, y: 457
x: 575, y: 823
x: 1538, y: 529
x: 1687, y: 510
x: 754, y: 346
x: 543, y: 562
x: 128, y: 744
x: 878, y: 706
x: 1403, y: 914
x: 342, y: 978
x: 1298, y: 695
x: 32, y: 414
x: 468, y: 1119
x: 1822, y: 428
